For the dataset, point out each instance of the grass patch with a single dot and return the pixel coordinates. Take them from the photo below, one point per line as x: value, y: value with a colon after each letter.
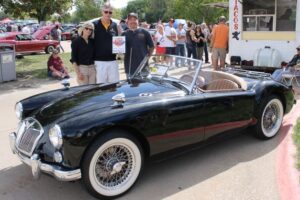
x: 36, y: 65
x: 296, y: 137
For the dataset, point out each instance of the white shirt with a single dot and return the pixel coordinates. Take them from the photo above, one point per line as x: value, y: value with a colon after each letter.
x: 161, y: 39
x: 169, y: 31
x: 59, y: 34
x: 179, y: 34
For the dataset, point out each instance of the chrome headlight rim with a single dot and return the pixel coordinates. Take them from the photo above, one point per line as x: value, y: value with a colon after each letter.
x: 55, y: 136
x: 19, y: 110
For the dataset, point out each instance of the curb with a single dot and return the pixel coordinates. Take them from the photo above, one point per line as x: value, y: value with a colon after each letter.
x: 288, y: 177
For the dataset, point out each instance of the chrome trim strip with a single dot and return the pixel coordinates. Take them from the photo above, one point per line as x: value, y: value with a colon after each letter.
x: 37, y: 166
x: 12, y: 142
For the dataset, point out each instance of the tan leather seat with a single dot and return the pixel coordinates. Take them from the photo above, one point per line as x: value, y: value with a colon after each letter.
x: 221, y: 84
x: 200, y: 82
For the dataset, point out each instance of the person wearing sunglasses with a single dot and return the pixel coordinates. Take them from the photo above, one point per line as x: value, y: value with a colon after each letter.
x: 107, y: 68
x: 82, y: 55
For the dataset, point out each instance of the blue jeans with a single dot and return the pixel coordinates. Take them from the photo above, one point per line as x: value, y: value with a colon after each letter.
x: 191, y: 51
x: 180, y: 51
x: 206, y: 52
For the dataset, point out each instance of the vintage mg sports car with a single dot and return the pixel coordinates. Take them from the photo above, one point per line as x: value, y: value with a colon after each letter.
x: 102, y: 134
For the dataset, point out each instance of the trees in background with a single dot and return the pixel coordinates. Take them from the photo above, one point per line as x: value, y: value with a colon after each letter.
x: 89, y: 9
x: 39, y: 9
x: 148, y: 10
x: 194, y: 10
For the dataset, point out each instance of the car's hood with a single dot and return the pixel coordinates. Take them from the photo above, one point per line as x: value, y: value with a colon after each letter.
x: 100, y: 98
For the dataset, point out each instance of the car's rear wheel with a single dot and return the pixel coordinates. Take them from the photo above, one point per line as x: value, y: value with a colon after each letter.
x: 112, y: 164
x: 270, y: 118
x: 50, y: 49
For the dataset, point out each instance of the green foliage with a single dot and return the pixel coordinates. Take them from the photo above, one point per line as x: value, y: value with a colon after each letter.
x: 296, y: 137
x: 137, y: 6
x: 3, y: 15
x: 90, y: 9
x: 36, y: 8
x: 194, y: 10
x: 86, y: 10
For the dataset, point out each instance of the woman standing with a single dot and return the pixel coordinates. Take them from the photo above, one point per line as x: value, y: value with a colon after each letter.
x: 191, y: 41
x: 82, y: 55
x: 199, y: 42
x: 160, y: 40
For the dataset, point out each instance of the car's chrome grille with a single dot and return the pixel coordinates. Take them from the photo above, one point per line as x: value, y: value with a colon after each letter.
x: 29, y: 134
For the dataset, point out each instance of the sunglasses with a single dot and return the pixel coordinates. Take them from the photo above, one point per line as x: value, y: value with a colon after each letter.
x: 106, y: 12
x: 90, y: 29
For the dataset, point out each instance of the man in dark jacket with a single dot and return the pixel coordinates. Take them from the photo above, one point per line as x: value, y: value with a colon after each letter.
x: 105, y: 60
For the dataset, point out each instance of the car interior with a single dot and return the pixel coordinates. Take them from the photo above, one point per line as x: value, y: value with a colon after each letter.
x: 212, y: 81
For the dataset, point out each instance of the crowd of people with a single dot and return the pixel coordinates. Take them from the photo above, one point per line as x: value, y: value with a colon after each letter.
x: 94, y: 61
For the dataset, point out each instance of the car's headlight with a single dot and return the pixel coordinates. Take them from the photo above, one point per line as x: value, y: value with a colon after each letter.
x: 19, y: 110
x: 55, y: 136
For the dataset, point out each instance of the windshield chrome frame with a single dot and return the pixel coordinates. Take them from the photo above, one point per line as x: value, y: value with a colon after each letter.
x: 189, y: 88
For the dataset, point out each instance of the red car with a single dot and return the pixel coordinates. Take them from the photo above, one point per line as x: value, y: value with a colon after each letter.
x: 25, y: 44
x: 44, y: 32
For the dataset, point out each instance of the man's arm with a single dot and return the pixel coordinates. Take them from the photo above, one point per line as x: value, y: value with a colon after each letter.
x: 293, y: 61
x: 150, y: 43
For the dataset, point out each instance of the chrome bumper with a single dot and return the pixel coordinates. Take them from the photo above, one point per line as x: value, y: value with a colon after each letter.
x: 37, y: 166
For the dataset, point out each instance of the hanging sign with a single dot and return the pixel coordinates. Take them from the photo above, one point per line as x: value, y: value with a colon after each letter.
x: 236, y: 33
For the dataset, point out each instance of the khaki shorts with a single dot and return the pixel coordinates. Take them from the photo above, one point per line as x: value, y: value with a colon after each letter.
x: 89, y: 74
x: 219, y: 53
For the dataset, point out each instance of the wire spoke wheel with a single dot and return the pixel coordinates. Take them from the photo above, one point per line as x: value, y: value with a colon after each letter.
x: 272, y: 117
x: 112, y: 166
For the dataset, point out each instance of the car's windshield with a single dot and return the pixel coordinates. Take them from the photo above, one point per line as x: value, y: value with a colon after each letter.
x: 171, y: 69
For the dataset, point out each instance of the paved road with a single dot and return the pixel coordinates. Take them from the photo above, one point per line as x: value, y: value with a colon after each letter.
x: 240, y: 168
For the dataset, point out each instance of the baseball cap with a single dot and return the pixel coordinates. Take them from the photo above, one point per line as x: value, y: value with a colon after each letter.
x: 222, y: 19
x: 132, y: 15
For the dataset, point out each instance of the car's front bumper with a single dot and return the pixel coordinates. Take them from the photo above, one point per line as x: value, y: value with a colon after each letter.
x: 37, y: 166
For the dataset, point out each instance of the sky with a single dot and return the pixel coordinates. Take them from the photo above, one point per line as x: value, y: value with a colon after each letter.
x: 119, y: 3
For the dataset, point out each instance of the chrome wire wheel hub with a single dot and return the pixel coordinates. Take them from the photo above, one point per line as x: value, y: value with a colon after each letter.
x: 114, y: 166
x: 272, y: 118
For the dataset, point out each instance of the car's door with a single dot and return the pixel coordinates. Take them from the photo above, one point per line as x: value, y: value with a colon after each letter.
x: 181, y: 124
x: 21, y: 44
x: 227, y: 110
x: 32, y: 44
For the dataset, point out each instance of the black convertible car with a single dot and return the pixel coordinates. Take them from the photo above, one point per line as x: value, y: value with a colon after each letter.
x: 103, y: 133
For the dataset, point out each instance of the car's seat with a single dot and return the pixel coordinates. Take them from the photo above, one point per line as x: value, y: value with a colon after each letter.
x: 200, y: 82
x: 221, y: 84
